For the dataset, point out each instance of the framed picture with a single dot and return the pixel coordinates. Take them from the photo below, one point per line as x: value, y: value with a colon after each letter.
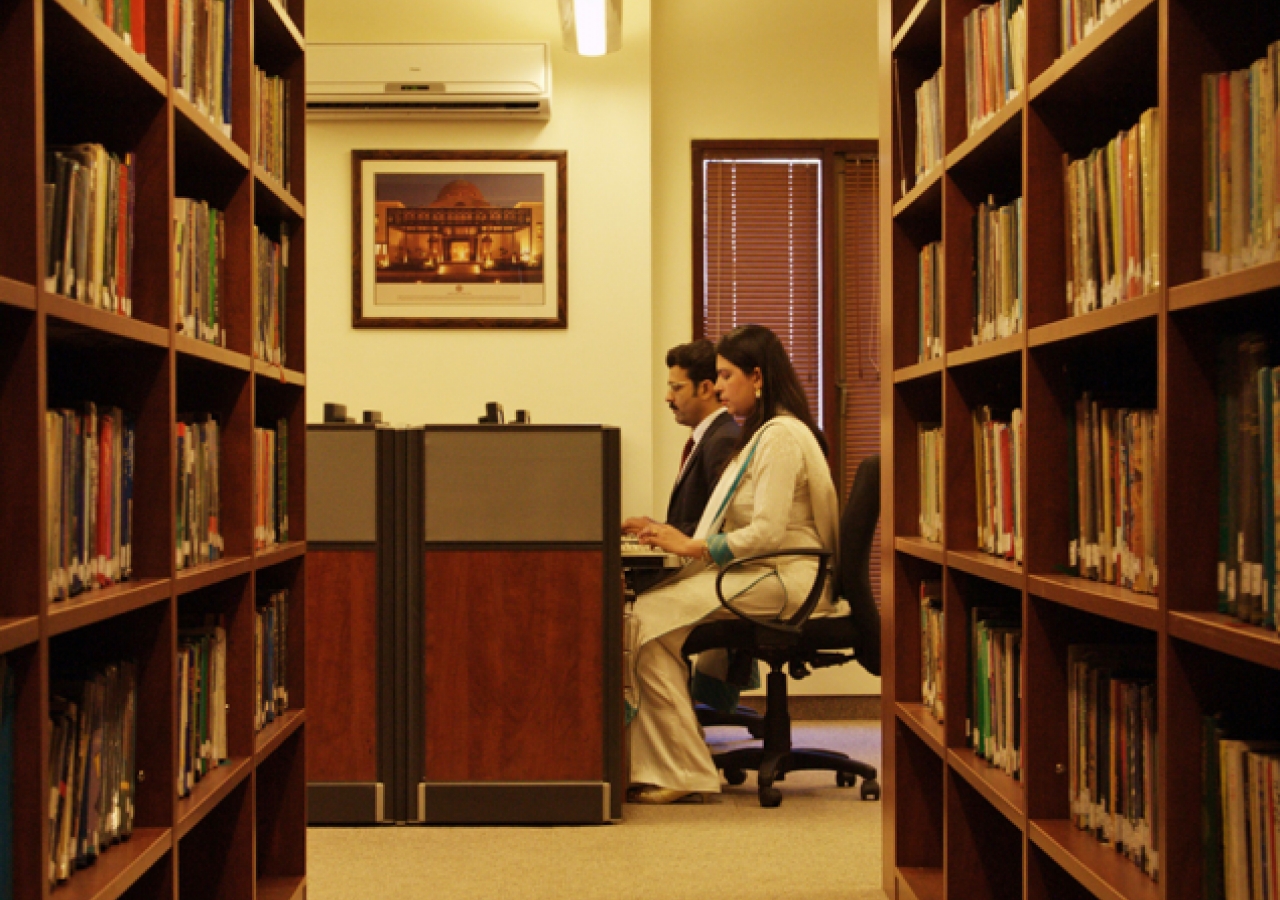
x: 459, y: 239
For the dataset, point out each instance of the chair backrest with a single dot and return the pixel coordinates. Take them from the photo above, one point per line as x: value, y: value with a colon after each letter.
x: 853, y: 580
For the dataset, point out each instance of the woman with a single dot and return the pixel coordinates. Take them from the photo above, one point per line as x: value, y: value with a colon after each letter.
x: 775, y: 494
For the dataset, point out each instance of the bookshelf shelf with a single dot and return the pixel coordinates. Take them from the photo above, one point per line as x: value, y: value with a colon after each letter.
x: 928, y: 368
x: 278, y: 375
x: 271, y: 737
x: 209, y: 792
x: 994, y: 138
x: 1106, y: 600
x: 1106, y: 874
x: 1136, y: 310
x: 212, y: 353
x: 18, y: 632
x: 1001, y: 791
x: 15, y: 293
x: 919, y: 548
x: 984, y: 565
x: 97, y: 606
x: 272, y: 198
x: 1227, y: 634
x: 924, y: 201
x: 194, y: 128
x: 922, y: 28
x: 275, y: 30
x: 118, y: 868
x: 929, y: 729
x: 76, y: 33
x: 206, y: 574
x: 282, y: 888
x: 919, y: 883
x: 1009, y: 346
x: 1254, y: 280
x: 99, y: 325
x: 1110, y: 42
x: 273, y: 556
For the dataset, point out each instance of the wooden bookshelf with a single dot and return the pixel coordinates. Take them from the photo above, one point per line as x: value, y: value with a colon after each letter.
x: 953, y: 824
x: 71, y: 79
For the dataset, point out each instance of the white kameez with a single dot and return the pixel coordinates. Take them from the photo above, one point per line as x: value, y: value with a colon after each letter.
x: 783, y: 499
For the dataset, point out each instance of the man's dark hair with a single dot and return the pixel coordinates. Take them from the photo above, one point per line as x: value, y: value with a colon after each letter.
x: 698, y: 358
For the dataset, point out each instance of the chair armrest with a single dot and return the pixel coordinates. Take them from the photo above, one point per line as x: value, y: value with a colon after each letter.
x: 785, y: 626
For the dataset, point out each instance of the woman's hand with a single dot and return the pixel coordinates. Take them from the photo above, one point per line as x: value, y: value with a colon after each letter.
x: 671, y: 539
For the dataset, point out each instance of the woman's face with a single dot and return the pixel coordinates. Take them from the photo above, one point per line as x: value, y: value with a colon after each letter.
x: 735, y: 388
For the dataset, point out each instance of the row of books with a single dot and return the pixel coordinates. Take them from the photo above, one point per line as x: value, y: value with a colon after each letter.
x: 271, y: 468
x: 1113, y: 463
x: 89, y: 223
x: 199, y: 273
x: 929, y: 143
x: 202, y: 56
x: 127, y: 18
x: 202, y: 702
x: 271, y: 143
x: 92, y: 775
x: 932, y: 644
x: 270, y: 290
x: 271, y: 659
x: 89, y: 497
x: 998, y: 448
x: 1080, y: 17
x: 8, y: 706
x: 199, y: 535
x: 1242, y: 165
x: 930, y: 342
x: 1248, y: 490
x: 1241, y: 812
x: 929, y: 440
x: 995, y: 58
x: 1111, y: 698
x: 997, y: 270
x: 1113, y: 219
x: 994, y: 726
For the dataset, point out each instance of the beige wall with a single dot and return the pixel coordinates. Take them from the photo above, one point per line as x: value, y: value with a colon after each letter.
x: 599, y: 369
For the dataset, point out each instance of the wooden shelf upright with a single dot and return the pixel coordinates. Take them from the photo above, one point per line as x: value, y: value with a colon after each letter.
x: 954, y: 826
x: 70, y: 79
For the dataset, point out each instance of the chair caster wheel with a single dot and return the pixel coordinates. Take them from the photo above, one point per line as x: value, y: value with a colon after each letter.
x: 870, y: 789
x: 846, y: 779
x: 770, y: 797
x: 735, y: 776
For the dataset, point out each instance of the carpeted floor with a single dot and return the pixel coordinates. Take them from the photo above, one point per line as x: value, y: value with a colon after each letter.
x: 823, y: 843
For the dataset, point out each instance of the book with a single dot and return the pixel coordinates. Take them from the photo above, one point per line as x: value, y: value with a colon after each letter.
x: 929, y: 146
x: 932, y: 648
x: 929, y: 442
x: 198, y: 535
x: 203, y: 53
x: 271, y: 124
x: 270, y: 295
x: 930, y: 301
x: 199, y: 269
x: 997, y: 448
x: 997, y: 270
x: 993, y: 727
x: 995, y: 54
x: 271, y: 657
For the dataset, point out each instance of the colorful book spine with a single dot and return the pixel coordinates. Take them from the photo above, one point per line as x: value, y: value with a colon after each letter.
x: 199, y: 533
x: 202, y: 56
x: 994, y: 727
x: 929, y: 144
x: 202, y: 702
x: 271, y: 509
x: 997, y: 271
x: 1241, y: 178
x: 932, y: 648
x: 930, y: 276
x: 271, y: 658
x: 270, y: 295
x: 995, y: 58
x: 929, y: 442
x: 271, y: 124
x: 998, y: 466
x: 127, y: 18
x: 199, y: 269
x: 1079, y: 18
x: 1112, y: 471
x: 1112, y: 206
x: 89, y: 492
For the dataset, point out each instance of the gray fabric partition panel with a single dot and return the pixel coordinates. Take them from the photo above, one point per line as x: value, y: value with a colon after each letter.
x: 513, y: 484
x: 342, y: 488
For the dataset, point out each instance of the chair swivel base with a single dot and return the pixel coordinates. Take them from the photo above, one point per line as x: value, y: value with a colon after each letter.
x: 771, y: 767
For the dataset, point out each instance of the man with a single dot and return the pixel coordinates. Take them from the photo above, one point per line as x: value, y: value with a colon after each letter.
x: 691, y: 394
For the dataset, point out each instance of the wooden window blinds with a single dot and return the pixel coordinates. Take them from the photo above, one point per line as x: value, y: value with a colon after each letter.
x: 762, y: 256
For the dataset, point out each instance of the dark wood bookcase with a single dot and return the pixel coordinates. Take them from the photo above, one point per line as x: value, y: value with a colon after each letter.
x: 69, y: 79
x: 955, y: 827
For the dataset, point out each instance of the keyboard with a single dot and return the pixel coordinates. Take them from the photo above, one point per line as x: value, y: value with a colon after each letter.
x: 638, y: 555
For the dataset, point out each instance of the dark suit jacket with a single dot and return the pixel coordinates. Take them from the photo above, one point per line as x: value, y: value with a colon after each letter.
x: 694, y: 486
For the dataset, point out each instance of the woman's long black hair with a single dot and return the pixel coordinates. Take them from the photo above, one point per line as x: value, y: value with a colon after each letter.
x: 751, y: 347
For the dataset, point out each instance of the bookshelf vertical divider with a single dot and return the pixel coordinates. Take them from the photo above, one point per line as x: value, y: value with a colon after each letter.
x: 954, y: 826
x: 70, y: 79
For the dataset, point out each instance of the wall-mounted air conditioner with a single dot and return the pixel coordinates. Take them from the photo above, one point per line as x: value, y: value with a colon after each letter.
x: 472, y: 80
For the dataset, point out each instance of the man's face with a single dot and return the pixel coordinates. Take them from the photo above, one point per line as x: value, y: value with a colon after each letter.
x: 682, y: 397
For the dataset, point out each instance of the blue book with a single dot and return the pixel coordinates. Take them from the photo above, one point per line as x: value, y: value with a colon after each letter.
x: 226, y: 65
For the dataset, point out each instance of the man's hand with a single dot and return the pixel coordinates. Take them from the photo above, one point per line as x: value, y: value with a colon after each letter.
x: 637, y: 524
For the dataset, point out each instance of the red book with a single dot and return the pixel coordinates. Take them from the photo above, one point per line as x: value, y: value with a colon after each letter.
x: 138, y: 25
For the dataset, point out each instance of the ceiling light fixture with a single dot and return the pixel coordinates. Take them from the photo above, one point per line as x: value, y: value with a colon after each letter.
x: 591, y: 27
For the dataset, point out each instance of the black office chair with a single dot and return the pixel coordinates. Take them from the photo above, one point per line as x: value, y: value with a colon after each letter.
x: 799, y: 644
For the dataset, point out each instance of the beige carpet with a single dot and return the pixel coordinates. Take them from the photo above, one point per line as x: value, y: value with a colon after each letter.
x: 823, y: 843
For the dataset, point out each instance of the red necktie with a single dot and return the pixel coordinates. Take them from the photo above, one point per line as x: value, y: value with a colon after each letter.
x: 684, y: 456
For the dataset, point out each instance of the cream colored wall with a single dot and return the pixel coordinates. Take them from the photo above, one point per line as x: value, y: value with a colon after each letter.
x: 744, y: 69
x: 599, y: 370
